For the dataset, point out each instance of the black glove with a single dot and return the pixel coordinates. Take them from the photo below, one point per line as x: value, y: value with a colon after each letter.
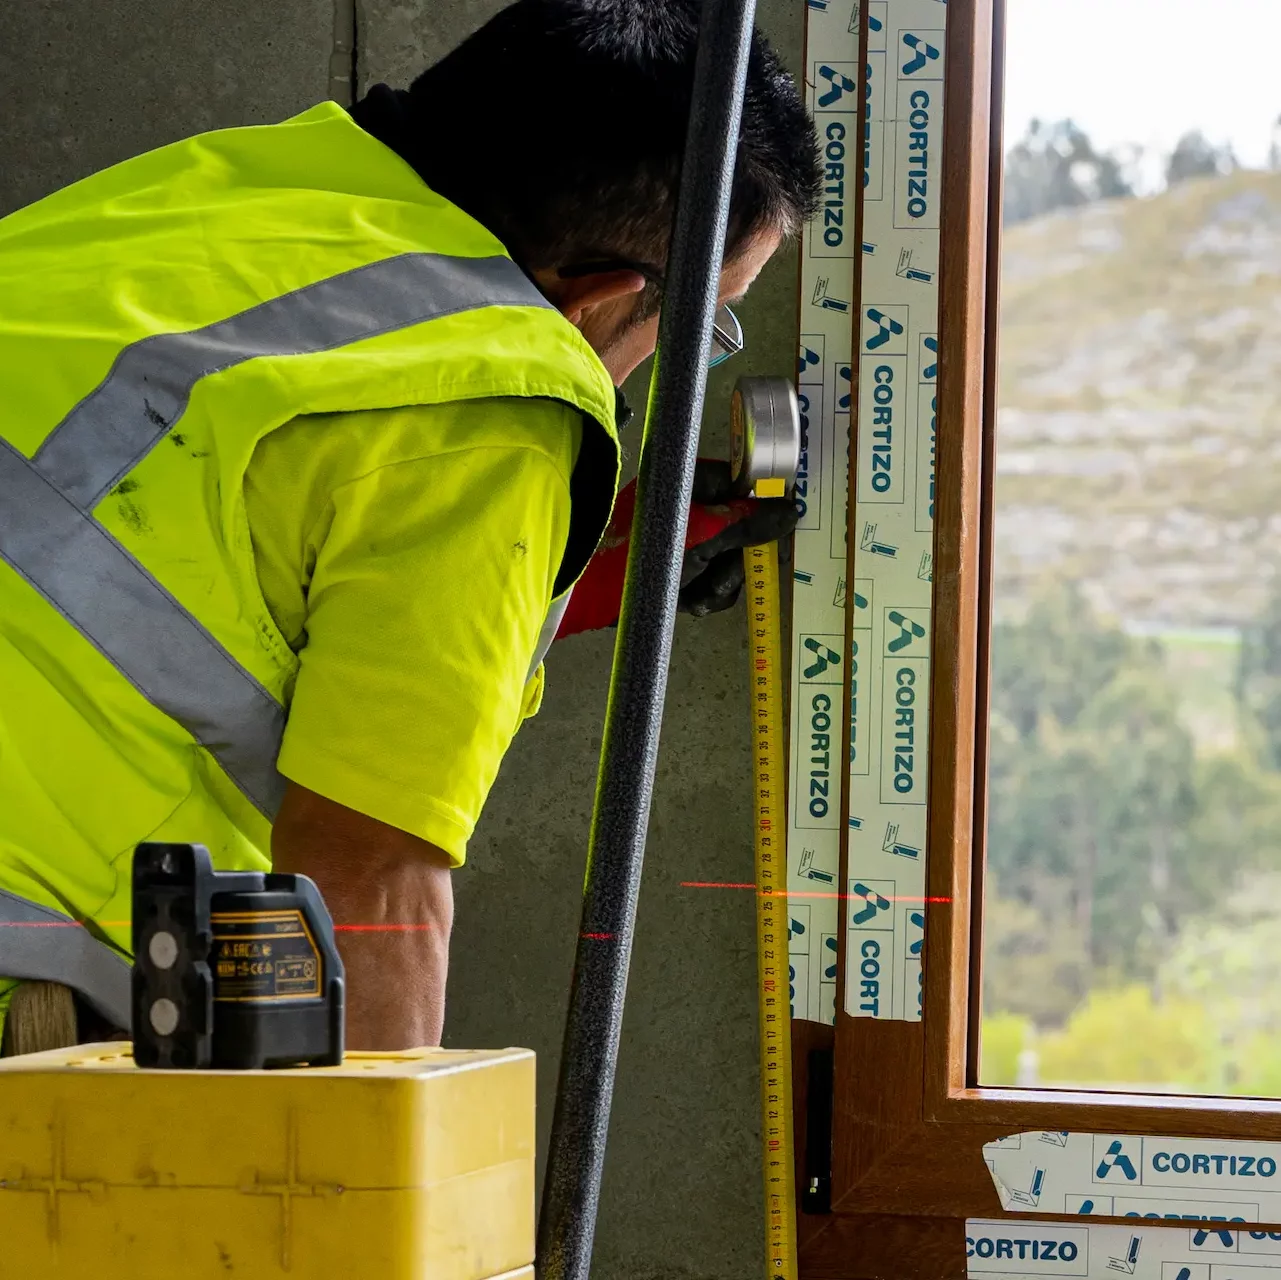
x: 712, y: 575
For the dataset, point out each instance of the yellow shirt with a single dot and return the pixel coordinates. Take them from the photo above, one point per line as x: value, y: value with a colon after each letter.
x: 409, y: 556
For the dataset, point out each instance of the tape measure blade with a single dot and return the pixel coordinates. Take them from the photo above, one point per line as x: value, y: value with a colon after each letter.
x: 769, y: 758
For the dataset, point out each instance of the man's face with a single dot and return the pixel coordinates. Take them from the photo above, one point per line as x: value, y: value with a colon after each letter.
x: 603, y: 306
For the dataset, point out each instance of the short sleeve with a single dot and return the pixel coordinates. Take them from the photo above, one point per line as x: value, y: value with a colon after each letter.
x: 431, y: 582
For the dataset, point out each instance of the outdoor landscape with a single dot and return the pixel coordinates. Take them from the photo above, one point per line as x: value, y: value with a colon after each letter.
x: 1133, y: 910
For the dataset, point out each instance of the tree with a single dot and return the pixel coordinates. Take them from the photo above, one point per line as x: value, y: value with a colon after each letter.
x: 1222, y: 964
x: 1092, y: 791
x: 1259, y: 679
x: 1194, y: 156
x: 1056, y: 166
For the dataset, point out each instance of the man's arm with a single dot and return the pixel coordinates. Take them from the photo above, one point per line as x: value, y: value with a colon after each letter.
x: 374, y: 878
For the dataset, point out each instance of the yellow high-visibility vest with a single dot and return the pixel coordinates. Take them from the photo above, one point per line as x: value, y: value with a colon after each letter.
x: 213, y: 289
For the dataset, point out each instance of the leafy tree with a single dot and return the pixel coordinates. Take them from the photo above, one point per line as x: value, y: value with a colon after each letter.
x: 1126, y: 1037
x: 1259, y: 679
x: 1091, y: 792
x: 1222, y: 965
x: 1056, y: 166
x: 1195, y: 156
x: 1004, y: 1038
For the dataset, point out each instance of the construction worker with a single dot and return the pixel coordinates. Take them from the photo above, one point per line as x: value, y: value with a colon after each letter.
x: 307, y: 431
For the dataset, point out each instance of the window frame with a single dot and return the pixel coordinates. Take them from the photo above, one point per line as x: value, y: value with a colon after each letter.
x: 968, y: 366
x: 909, y: 1119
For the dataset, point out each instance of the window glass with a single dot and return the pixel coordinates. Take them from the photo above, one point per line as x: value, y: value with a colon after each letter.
x: 1132, y: 928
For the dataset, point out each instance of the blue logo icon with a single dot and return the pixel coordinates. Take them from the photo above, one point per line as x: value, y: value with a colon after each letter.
x: 887, y: 328
x: 843, y: 375
x: 873, y: 904
x: 1115, y: 1158
x: 1201, y: 1235
x: 807, y: 359
x: 823, y: 658
x: 917, y: 920
x: 922, y: 53
x: 840, y: 84
x: 907, y: 631
x: 931, y: 371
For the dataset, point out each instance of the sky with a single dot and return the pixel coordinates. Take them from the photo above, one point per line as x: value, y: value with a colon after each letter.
x: 1147, y: 71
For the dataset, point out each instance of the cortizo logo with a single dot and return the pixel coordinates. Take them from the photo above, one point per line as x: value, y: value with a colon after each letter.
x: 886, y: 328
x: 803, y: 462
x: 918, y: 154
x: 1024, y: 1249
x: 907, y: 631
x: 882, y: 476
x: 1209, y: 1166
x: 1115, y: 1158
x: 922, y: 54
x: 834, y: 190
x: 867, y: 124
x: 823, y: 658
x: 873, y: 904
x: 869, y: 977
x: 839, y: 85
x: 904, y: 730
x: 820, y: 754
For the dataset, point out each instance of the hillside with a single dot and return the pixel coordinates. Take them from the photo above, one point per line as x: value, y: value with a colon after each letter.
x: 1139, y: 428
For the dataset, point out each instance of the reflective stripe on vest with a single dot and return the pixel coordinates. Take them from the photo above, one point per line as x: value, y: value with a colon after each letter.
x: 38, y: 943
x: 49, y: 536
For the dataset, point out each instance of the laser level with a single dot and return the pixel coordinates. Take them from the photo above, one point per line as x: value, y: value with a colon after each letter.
x: 232, y: 969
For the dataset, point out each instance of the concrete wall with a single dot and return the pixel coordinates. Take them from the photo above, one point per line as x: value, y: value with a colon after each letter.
x: 92, y: 81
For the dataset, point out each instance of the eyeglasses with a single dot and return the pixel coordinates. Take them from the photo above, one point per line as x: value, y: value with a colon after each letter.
x: 727, y: 332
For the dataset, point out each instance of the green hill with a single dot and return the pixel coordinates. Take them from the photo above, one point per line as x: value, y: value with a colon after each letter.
x: 1139, y: 426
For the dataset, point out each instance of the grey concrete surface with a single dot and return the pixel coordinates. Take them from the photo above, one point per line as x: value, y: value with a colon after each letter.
x: 93, y: 81
x: 90, y: 82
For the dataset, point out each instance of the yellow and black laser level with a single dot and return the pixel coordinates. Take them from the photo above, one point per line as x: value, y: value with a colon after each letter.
x: 232, y: 969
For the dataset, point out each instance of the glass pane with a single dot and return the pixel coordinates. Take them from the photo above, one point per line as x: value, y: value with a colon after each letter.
x: 1133, y: 912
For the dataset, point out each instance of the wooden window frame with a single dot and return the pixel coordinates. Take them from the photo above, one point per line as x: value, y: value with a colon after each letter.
x: 909, y: 1117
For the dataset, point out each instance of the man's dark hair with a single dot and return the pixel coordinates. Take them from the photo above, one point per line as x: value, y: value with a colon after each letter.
x: 560, y: 126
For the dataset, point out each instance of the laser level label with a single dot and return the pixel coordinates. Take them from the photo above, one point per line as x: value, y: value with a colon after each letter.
x: 896, y: 371
x: 264, y: 955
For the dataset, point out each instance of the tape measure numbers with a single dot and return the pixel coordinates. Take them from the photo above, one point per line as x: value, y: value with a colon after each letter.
x: 765, y: 452
x: 769, y: 759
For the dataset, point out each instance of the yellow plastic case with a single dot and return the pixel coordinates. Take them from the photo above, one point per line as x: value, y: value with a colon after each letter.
x: 394, y: 1165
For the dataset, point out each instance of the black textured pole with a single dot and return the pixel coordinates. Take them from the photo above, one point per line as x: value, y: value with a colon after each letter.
x: 571, y: 1189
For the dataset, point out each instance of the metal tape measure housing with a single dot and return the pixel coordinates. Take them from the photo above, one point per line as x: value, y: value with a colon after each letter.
x: 765, y: 435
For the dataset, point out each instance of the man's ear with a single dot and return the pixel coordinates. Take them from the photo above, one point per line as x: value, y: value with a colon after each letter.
x: 576, y: 295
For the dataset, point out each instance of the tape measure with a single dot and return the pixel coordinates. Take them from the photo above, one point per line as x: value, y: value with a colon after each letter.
x: 765, y: 451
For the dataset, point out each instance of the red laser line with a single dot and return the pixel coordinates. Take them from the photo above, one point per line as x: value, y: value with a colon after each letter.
x: 597, y: 937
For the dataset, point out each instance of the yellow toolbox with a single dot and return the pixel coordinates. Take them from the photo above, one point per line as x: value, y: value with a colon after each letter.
x: 393, y: 1165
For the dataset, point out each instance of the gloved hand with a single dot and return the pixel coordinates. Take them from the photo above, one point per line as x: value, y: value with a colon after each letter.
x: 720, y: 526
